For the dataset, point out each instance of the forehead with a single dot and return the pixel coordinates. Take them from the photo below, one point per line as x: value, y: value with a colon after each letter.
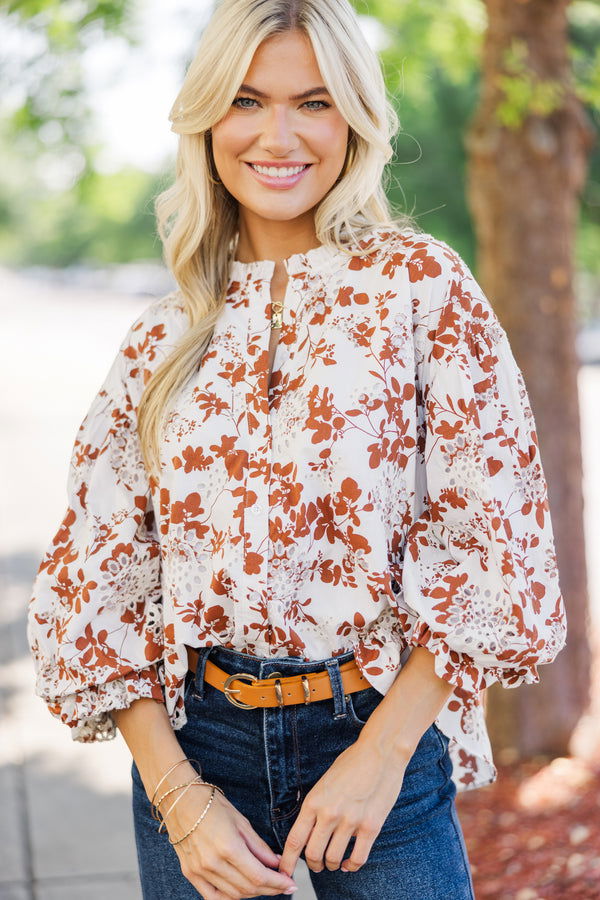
x: 284, y: 65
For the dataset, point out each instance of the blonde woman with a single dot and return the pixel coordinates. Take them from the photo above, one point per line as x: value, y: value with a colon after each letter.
x: 308, y: 522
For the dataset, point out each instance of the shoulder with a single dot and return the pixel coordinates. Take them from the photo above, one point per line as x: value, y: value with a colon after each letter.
x: 417, y: 257
x: 448, y: 304
x: 151, y: 338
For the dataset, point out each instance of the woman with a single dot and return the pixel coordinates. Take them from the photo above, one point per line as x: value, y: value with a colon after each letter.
x: 308, y: 522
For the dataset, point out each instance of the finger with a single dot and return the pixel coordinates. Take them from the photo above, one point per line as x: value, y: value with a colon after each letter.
x: 317, y: 845
x: 208, y: 890
x: 337, y: 846
x: 230, y: 878
x: 257, y: 845
x: 249, y: 872
x: 360, y: 853
x: 296, y: 840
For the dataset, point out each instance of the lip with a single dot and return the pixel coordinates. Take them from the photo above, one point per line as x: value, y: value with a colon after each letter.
x: 279, y: 183
x: 277, y: 165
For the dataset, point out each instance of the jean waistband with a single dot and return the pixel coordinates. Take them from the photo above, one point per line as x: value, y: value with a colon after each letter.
x: 261, y: 666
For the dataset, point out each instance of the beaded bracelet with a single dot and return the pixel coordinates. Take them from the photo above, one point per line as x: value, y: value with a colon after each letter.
x: 197, y: 822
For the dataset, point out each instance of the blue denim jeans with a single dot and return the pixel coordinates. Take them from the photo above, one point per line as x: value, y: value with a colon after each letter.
x: 267, y: 759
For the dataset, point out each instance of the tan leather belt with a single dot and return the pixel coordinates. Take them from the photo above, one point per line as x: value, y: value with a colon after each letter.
x: 278, y: 690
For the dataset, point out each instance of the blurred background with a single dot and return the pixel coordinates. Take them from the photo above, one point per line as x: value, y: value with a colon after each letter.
x: 498, y: 155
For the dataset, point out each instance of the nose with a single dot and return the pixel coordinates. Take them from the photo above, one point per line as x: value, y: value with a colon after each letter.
x: 277, y: 134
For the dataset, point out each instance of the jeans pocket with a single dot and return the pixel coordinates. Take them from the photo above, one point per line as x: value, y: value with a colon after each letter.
x: 361, y: 704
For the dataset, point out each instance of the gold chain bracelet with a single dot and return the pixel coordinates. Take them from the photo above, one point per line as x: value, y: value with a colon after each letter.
x: 155, y: 807
x: 199, y: 819
x: 186, y: 787
x: 178, y: 763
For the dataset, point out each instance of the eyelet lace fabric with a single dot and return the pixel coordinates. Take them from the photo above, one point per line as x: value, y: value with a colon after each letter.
x: 385, y: 491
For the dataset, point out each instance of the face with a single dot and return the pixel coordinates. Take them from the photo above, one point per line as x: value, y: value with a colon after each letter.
x: 270, y: 125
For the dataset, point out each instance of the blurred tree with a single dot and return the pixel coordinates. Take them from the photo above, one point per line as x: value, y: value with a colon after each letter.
x: 47, y: 39
x: 47, y: 136
x: 432, y: 53
x: 528, y: 145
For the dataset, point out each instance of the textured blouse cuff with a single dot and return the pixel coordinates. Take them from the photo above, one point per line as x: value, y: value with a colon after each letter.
x: 461, y: 670
x: 87, y: 712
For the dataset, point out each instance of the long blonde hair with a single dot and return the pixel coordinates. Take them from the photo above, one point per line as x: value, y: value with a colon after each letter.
x: 197, y: 218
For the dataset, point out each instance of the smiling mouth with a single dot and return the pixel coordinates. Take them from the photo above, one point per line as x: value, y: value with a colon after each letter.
x: 279, y: 171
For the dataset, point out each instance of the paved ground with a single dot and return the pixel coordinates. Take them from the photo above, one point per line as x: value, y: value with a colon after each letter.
x: 65, y: 827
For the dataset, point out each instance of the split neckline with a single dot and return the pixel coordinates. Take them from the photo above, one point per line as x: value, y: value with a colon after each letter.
x: 319, y: 257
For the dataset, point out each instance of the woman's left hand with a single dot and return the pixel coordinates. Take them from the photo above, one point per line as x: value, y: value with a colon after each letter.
x: 354, y: 796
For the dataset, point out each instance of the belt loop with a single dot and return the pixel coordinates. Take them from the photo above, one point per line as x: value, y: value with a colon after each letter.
x: 200, y: 667
x: 337, y: 687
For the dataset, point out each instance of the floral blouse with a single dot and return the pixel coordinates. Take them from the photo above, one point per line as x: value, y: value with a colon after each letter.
x: 384, y: 491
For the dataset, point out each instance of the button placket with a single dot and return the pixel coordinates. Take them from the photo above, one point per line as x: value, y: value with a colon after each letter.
x: 256, y: 511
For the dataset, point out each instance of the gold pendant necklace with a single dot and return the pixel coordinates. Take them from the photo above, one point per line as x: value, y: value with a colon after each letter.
x: 276, y: 313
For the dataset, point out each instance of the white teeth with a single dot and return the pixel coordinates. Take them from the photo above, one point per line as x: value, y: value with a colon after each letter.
x: 276, y: 172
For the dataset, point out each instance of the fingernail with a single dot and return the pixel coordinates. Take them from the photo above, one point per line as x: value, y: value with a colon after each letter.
x: 291, y: 890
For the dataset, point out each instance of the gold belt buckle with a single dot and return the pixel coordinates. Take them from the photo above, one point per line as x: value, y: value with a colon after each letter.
x: 227, y: 689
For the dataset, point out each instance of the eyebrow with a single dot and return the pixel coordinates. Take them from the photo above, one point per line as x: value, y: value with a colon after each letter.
x: 316, y: 90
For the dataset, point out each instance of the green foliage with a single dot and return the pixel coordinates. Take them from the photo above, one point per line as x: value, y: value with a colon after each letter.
x: 434, y: 89
x: 432, y: 63
x: 431, y: 60
x: 525, y: 93
x: 68, y: 19
x: 51, y: 37
x: 103, y: 219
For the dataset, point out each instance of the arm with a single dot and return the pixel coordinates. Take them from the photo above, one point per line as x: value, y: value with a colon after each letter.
x: 480, y: 592
x: 413, y: 702
x: 96, y: 631
x: 479, y: 577
x: 357, y: 792
x: 148, y: 733
x: 95, y: 613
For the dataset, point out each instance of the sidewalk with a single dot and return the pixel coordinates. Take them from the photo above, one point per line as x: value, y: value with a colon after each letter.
x: 66, y: 831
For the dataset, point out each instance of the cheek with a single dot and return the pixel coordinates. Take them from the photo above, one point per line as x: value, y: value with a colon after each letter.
x: 229, y: 139
x: 330, y: 140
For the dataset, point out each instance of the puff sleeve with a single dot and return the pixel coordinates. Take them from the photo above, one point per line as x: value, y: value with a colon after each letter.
x: 94, y: 621
x: 480, y: 586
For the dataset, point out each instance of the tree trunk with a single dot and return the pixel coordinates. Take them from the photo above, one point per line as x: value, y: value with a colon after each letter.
x: 525, y: 174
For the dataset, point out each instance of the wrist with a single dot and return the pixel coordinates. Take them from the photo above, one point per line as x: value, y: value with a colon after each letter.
x: 387, y: 742
x: 188, y: 808
x: 159, y: 782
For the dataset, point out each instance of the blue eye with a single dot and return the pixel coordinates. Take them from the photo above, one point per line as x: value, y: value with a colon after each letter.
x: 237, y: 103
x: 237, y: 100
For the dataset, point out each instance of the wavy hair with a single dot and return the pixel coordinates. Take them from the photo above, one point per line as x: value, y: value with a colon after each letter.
x: 197, y: 218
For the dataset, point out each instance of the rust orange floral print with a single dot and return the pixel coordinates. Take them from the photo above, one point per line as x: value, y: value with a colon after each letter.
x: 384, y: 490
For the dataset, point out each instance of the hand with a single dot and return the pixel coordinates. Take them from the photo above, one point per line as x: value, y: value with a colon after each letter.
x: 354, y: 796
x: 224, y: 835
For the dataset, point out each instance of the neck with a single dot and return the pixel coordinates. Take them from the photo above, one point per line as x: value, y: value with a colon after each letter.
x: 260, y: 239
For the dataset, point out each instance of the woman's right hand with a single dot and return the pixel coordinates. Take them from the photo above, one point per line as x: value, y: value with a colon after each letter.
x: 223, y: 858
